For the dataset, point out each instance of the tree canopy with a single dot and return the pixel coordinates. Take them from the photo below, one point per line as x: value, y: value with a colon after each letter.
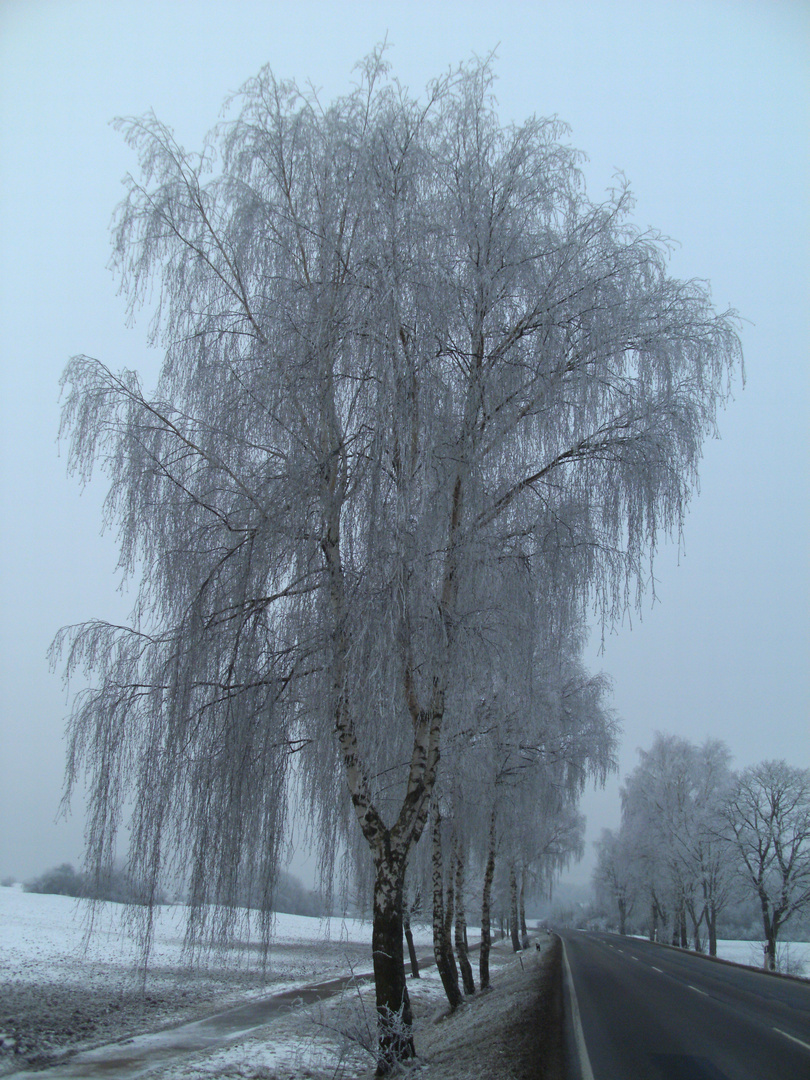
x: 409, y: 369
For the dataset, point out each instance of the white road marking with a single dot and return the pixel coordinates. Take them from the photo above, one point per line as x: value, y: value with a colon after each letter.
x: 582, y: 1050
x: 793, y: 1038
x: 696, y: 990
x: 660, y: 972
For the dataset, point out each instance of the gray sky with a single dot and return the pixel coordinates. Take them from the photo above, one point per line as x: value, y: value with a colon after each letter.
x: 705, y: 106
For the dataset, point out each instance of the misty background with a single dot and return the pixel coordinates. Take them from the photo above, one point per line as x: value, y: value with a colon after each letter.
x: 704, y: 106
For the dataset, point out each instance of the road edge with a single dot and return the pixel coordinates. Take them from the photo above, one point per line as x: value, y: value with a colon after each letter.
x: 573, y: 1021
x: 713, y: 959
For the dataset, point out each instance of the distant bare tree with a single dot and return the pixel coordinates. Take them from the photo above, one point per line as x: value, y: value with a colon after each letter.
x: 401, y: 347
x: 767, y: 818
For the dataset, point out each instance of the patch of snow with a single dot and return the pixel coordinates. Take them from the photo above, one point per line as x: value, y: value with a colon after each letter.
x: 789, y: 954
x: 62, y: 990
x: 793, y: 957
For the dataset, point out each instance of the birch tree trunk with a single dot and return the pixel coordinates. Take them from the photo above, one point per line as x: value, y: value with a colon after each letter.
x: 389, y: 846
x: 697, y: 945
x: 486, y: 903
x: 513, y: 909
x: 450, y: 895
x: 696, y: 920
x: 661, y: 917
x: 769, y: 961
x: 678, y: 923
x: 467, y: 979
x: 394, y: 1017
x: 711, y: 920
x: 524, y: 933
x: 445, y: 962
x: 406, y: 922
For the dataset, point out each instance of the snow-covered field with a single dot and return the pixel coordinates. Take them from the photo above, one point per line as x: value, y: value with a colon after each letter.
x: 60, y: 989
x: 77, y: 1007
x: 61, y: 992
x: 793, y: 957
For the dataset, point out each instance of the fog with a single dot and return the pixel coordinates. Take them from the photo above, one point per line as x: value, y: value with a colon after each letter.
x: 705, y: 107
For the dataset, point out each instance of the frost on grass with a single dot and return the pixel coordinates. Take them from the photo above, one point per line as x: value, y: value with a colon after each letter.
x: 336, y: 1039
x: 60, y: 992
x: 62, y: 997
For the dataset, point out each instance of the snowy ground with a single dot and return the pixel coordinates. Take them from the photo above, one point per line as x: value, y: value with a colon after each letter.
x: 57, y: 996
x: 793, y: 957
x: 59, y: 993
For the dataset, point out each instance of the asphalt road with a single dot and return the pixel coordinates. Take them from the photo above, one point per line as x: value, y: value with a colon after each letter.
x: 639, y: 1011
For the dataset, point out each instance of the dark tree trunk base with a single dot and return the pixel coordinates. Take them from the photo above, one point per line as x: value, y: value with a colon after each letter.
x: 394, y: 1017
x: 412, y: 954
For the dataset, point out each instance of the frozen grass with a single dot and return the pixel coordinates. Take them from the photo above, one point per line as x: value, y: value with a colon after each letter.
x: 72, y: 997
x: 60, y: 993
x: 334, y: 1040
x: 60, y: 990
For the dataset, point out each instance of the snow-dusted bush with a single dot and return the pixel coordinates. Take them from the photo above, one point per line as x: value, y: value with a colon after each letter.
x: 62, y: 880
x: 114, y: 884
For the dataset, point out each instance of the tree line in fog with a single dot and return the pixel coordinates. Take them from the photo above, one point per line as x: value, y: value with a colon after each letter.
x: 698, y: 839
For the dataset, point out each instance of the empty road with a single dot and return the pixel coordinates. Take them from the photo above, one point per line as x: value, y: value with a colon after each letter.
x: 640, y: 1011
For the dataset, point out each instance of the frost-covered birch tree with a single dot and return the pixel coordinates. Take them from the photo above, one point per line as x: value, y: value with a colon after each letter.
x: 672, y: 812
x: 659, y: 814
x: 542, y: 729
x: 647, y: 834
x: 613, y: 877
x: 400, y: 344
x: 703, y: 847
